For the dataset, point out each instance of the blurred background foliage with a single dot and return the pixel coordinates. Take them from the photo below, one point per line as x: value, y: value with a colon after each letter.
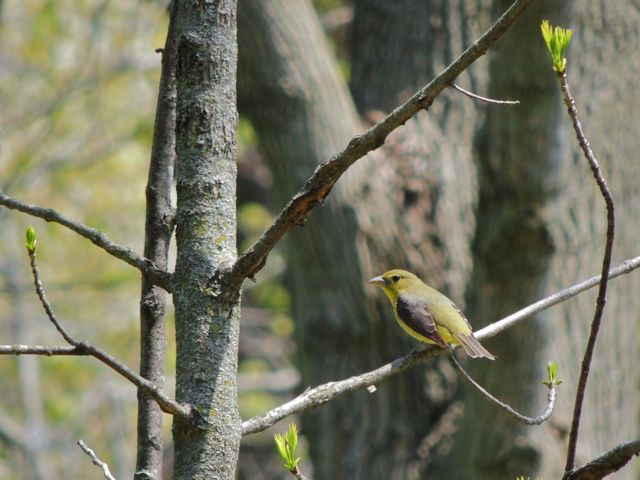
x: 78, y: 86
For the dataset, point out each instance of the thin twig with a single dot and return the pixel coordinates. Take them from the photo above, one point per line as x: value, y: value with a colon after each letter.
x: 166, y: 404
x: 318, y: 186
x: 98, y: 238
x: 551, y: 398
x: 314, y: 397
x: 606, y: 264
x: 96, y: 461
x: 298, y: 474
x: 40, y: 350
x: 45, y: 301
x: 484, y: 99
x: 607, y: 463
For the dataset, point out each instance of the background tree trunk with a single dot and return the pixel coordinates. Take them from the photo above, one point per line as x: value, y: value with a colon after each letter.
x: 379, y: 216
x: 517, y: 161
x: 541, y: 225
x: 603, y: 62
x: 413, y: 204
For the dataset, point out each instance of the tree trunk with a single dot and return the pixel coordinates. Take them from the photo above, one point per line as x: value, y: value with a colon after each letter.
x: 378, y: 216
x: 602, y: 63
x: 541, y: 224
x: 207, y: 312
x: 413, y: 205
x: 512, y: 249
x: 158, y: 232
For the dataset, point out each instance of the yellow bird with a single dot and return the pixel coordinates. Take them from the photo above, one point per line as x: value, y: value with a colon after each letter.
x: 426, y: 314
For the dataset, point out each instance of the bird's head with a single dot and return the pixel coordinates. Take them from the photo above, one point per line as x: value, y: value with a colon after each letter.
x: 394, y: 282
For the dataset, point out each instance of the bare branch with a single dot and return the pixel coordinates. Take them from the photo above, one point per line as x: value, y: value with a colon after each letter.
x: 166, y: 404
x: 98, y: 238
x: 625, y: 267
x: 39, y: 350
x: 96, y: 461
x: 606, y: 265
x: 551, y: 398
x: 484, y: 99
x: 607, y: 463
x: 312, y: 398
x: 324, y: 393
x: 327, y: 174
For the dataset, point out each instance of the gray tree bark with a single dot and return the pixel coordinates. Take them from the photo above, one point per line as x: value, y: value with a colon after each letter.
x: 603, y: 62
x: 513, y: 248
x: 377, y: 217
x: 414, y: 204
x: 541, y: 224
x: 207, y: 313
x: 158, y: 232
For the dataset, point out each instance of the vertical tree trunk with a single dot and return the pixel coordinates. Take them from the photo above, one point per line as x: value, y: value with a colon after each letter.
x: 398, y: 46
x: 390, y: 209
x: 207, y: 313
x: 541, y: 225
x: 158, y: 231
x: 512, y: 248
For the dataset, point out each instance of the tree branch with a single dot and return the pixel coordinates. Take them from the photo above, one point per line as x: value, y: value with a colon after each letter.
x: 318, y: 186
x: 606, y: 264
x: 312, y: 398
x: 96, y: 461
x: 166, y: 404
x: 158, y: 230
x: 40, y: 350
x: 483, y: 99
x: 551, y: 398
x: 625, y: 267
x: 607, y: 463
x: 126, y: 254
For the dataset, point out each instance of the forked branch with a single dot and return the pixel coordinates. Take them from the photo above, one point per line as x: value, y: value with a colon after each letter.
x: 81, y: 348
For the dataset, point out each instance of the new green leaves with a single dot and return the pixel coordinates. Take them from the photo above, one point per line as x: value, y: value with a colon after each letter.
x: 552, y: 375
x: 286, y: 444
x: 557, y: 40
x: 31, y: 240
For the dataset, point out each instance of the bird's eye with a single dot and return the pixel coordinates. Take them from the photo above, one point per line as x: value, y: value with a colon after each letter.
x: 395, y: 278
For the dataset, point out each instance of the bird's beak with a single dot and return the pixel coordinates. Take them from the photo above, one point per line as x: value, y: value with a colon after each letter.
x: 377, y: 281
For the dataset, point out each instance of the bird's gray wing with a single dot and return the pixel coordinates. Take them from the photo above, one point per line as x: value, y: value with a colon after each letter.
x: 415, y: 313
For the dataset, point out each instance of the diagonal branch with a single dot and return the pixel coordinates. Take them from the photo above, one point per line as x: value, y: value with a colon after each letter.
x: 606, y: 264
x: 625, y: 267
x: 96, y: 461
x: 607, y: 463
x: 166, y: 404
x: 98, y: 238
x: 324, y: 393
x: 327, y: 174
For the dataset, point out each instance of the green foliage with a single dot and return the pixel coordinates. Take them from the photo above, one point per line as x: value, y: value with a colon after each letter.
x: 287, y: 443
x: 557, y: 40
x: 552, y: 375
x: 31, y: 240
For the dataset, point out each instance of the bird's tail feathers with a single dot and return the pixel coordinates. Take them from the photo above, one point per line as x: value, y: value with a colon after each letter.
x: 473, y: 347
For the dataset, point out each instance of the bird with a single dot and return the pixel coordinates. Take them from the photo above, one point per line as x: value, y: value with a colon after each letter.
x: 426, y: 314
